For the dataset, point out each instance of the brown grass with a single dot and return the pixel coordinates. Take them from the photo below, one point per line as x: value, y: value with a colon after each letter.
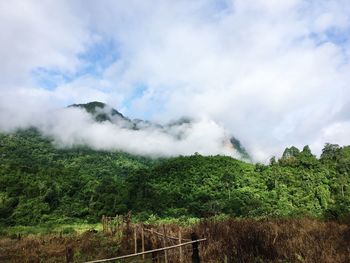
x: 52, y: 248
x: 247, y: 240
x: 250, y: 240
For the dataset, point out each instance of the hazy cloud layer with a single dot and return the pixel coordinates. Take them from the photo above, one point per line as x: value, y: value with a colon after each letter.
x: 75, y: 127
x: 274, y: 73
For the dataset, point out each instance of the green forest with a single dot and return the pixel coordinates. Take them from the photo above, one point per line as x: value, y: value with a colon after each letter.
x: 41, y: 182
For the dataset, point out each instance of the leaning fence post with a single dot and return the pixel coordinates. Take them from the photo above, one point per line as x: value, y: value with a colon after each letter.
x: 195, y: 251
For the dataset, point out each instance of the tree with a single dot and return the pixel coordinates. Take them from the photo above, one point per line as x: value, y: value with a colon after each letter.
x: 306, y: 158
x: 290, y: 157
x: 330, y: 152
x: 273, y: 160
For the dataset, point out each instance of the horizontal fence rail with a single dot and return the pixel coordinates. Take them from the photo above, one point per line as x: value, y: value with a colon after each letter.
x: 162, y: 235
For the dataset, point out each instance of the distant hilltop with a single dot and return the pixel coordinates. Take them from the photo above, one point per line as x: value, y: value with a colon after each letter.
x: 103, y: 112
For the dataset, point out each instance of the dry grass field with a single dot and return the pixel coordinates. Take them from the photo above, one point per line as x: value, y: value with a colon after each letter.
x: 232, y: 240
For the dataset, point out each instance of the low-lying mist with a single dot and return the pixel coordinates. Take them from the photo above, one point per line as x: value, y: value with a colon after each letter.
x: 73, y: 126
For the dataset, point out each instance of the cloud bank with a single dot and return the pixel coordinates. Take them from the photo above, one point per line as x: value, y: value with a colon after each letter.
x: 71, y: 127
x: 274, y: 73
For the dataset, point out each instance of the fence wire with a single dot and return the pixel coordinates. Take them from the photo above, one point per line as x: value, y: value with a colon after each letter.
x: 172, y: 255
x: 156, y: 236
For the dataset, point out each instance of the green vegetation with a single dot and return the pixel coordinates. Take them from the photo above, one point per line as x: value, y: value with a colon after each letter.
x: 51, y: 228
x: 97, y: 109
x: 41, y: 183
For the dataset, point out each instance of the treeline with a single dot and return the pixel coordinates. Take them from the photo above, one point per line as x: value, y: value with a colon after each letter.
x: 40, y: 182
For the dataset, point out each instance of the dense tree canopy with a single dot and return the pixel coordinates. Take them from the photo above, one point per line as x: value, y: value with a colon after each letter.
x: 40, y: 182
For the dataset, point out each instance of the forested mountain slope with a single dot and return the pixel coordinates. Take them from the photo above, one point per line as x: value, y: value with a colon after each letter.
x: 39, y: 183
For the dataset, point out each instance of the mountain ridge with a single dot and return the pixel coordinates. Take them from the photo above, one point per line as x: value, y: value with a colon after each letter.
x: 103, y: 112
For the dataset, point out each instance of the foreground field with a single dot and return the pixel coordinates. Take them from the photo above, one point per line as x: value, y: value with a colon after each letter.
x: 230, y: 240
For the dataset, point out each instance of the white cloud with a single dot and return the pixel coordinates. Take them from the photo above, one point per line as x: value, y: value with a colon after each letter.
x: 275, y: 73
x: 75, y: 127
x: 41, y: 33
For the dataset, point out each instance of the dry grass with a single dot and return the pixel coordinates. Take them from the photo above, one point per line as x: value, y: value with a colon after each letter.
x: 247, y: 240
x: 302, y: 240
x: 52, y: 248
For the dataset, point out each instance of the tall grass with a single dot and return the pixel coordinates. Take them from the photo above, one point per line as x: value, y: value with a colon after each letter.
x: 228, y: 240
x: 284, y: 240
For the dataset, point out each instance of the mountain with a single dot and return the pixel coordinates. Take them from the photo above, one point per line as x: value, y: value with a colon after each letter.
x: 41, y: 183
x: 239, y: 148
x: 103, y: 112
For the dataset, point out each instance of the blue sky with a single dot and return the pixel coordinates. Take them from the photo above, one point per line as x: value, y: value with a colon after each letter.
x: 93, y: 62
x: 273, y: 73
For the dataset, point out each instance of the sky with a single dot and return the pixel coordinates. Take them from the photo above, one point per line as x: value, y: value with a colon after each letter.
x: 272, y: 73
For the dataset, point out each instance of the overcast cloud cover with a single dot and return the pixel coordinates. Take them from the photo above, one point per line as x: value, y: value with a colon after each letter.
x: 273, y: 73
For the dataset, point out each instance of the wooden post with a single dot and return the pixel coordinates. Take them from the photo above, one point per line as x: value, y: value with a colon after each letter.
x: 135, y: 238
x: 69, y: 254
x: 164, y: 245
x: 155, y: 257
x: 103, y: 224
x: 106, y: 225
x: 195, y: 251
x: 143, y: 241
x: 225, y: 259
x: 180, y: 248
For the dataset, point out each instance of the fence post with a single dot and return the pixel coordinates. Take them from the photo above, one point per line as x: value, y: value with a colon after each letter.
x: 135, y: 238
x: 180, y: 248
x: 164, y: 245
x: 103, y: 224
x: 195, y: 251
x: 143, y: 241
x: 155, y: 257
x: 69, y: 254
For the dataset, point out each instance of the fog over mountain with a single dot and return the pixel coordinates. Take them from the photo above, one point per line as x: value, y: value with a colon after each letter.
x: 101, y: 127
x: 271, y: 73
